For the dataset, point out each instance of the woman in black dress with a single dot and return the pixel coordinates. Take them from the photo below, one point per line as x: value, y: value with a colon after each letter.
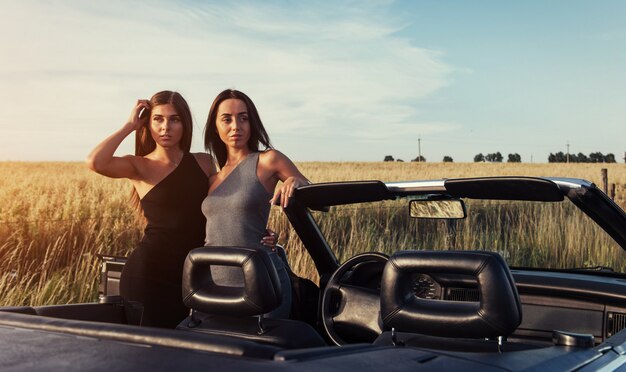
x: 169, y: 186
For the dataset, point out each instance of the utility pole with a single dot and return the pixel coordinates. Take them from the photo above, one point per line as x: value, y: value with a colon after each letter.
x: 567, y: 151
x: 419, y: 149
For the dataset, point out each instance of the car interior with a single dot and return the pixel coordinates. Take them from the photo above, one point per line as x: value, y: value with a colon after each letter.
x: 452, y: 303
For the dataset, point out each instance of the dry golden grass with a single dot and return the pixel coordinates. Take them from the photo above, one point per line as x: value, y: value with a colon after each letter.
x: 527, y: 234
x: 55, y: 218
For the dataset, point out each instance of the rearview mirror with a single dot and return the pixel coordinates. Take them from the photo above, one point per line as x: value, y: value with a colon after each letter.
x: 444, y: 209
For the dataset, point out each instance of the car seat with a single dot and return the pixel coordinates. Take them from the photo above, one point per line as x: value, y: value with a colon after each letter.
x: 238, y: 311
x: 449, y: 325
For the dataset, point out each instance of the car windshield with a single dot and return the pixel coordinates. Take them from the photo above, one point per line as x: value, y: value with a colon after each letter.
x: 555, y: 235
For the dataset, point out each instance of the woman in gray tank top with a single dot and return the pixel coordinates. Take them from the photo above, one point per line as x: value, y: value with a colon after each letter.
x: 240, y: 195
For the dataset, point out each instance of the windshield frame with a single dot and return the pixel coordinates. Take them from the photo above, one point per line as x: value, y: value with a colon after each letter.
x: 319, y: 197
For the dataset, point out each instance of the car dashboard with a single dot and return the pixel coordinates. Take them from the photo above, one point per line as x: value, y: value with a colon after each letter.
x: 570, y: 302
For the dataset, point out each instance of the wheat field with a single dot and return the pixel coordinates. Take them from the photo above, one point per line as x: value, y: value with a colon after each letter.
x: 55, y: 218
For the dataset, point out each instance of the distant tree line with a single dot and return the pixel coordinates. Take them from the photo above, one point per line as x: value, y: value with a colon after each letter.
x: 420, y: 158
x: 390, y: 158
x: 594, y: 157
x: 493, y: 158
x: 497, y: 157
x: 559, y: 157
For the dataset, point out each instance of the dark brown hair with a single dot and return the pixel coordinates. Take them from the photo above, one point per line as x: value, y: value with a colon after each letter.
x: 212, y: 142
x: 144, y: 143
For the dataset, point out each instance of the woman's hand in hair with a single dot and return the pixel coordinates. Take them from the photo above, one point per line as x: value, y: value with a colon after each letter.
x: 139, y: 114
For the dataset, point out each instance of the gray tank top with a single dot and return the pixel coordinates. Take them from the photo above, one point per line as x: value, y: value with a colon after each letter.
x: 237, y: 209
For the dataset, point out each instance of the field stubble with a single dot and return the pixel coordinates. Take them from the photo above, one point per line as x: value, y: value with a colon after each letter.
x: 56, y: 217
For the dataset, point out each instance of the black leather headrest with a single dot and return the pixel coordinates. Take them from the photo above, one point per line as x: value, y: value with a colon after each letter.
x: 498, y: 313
x: 261, y: 292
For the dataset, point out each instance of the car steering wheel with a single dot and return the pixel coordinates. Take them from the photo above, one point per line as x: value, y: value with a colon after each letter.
x: 347, y: 308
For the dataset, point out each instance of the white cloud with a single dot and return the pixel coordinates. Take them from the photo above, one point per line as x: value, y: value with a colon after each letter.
x: 317, y: 69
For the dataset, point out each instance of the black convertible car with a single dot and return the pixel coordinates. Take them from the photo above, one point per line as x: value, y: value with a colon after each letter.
x: 501, y: 273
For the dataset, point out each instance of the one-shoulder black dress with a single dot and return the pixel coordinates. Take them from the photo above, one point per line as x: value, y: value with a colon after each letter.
x: 152, y: 275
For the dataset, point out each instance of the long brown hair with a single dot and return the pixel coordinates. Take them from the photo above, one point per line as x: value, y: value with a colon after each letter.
x: 145, y: 144
x: 212, y: 142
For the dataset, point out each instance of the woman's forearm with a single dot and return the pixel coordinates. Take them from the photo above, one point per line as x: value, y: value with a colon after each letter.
x: 102, y: 155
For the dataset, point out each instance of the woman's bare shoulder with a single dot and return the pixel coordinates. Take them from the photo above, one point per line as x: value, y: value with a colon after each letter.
x: 271, y: 155
x: 206, y: 162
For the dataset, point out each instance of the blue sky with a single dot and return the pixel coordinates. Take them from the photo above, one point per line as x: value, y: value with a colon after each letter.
x: 333, y: 80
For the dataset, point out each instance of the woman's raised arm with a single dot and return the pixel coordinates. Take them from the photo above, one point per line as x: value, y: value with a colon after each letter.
x: 101, y: 159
